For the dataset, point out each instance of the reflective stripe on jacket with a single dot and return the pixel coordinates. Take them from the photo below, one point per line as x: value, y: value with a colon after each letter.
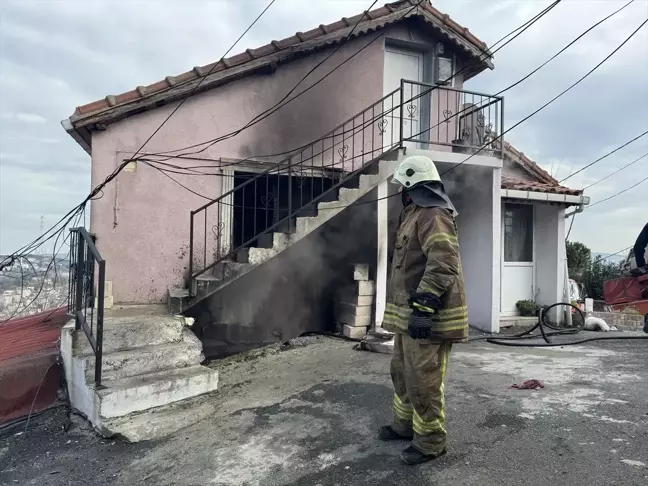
x: 426, y: 259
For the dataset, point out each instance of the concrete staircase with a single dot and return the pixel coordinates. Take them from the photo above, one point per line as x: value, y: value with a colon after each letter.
x: 152, y: 381
x: 272, y: 243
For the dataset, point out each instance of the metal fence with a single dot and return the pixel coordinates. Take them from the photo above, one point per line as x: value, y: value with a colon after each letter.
x: 86, y: 294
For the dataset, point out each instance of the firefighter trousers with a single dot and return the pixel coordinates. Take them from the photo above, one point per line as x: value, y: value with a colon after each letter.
x: 418, y: 371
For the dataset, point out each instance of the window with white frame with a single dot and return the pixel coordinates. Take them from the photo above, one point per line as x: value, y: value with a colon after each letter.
x: 518, y: 233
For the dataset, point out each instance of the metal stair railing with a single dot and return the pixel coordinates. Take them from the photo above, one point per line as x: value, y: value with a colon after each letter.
x: 415, y: 114
x: 291, y: 186
x: 85, y: 302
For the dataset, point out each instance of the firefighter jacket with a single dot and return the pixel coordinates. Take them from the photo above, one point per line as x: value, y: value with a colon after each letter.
x: 426, y: 259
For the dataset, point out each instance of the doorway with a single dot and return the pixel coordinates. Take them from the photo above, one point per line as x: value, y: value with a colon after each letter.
x: 518, y: 256
x: 408, y: 65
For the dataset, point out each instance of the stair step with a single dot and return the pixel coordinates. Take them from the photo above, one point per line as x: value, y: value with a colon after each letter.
x: 160, y: 422
x: 278, y: 241
x: 133, y: 332
x: 255, y: 256
x: 368, y: 182
x: 122, y: 396
x: 349, y: 195
x: 148, y: 359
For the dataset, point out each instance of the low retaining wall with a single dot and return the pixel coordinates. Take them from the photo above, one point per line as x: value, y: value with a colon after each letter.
x: 622, y: 321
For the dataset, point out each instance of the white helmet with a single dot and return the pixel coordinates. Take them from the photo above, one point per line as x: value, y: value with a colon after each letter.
x: 415, y: 169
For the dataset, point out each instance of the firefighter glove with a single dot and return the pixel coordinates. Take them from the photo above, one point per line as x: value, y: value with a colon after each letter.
x: 419, y: 325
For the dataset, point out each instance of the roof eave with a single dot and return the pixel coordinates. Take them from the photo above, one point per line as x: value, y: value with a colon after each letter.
x: 118, y: 112
x: 548, y: 197
x: 68, y: 126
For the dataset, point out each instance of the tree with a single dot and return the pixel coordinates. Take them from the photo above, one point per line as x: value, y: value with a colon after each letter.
x: 579, y: 259
x: 600, y: 270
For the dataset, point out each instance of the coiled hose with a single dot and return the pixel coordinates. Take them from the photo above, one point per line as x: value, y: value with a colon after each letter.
x: 519, y: 339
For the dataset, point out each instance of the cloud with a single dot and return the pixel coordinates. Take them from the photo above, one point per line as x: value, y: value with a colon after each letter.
x: 23, y: 117
x: 55, y: 56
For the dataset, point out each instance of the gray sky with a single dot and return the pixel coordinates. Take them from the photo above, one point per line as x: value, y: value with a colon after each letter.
x: 55, y: 55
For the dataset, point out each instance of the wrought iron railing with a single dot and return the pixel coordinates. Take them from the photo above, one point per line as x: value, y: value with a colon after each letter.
x: 415, y: 114
x: 86, y: 297
x: 465, y: 121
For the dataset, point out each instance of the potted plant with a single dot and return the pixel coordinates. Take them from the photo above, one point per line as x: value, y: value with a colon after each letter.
x: 527, y: 308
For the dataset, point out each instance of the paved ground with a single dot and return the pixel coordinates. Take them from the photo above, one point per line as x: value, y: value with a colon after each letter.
x: 308, y: 416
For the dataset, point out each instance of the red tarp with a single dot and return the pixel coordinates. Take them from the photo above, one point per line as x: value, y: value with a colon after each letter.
x: 28, y: 354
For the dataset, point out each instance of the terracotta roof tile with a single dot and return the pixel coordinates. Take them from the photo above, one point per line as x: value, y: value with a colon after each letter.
x: 515, y: 184
x: 527, y: 163
x: 463, y: 34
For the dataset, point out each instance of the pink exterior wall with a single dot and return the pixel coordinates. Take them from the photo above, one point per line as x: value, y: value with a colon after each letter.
x: 142, y: 218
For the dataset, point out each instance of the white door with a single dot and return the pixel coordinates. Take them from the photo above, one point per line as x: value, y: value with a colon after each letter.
x: 408, y: 65
x: 518, y: 256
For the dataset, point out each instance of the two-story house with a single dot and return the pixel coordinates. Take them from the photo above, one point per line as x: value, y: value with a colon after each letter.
x: 250, y: 204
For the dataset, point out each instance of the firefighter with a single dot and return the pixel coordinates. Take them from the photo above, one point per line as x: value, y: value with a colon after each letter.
x: 426, y: 309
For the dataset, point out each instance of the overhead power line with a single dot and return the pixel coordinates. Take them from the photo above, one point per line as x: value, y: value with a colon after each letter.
x: 98, y: 190
x: 616, y: 171
x: 582, y: 78
x: 277, y: 107
x: 527, y: 76
x: 613, y: 151
x: 616, y: 194
x: 72, y: 213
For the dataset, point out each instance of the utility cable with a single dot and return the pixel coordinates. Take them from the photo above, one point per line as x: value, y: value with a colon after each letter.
x: 616, y: 194
x: 269, y: 112
x: 527, y: 76
x: 616, y: 171
x: 68, y: 217
x: 552, y: 100
x: 613, y: 151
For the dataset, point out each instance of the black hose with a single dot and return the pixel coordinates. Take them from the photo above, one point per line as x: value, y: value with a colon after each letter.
x: 514, y: 340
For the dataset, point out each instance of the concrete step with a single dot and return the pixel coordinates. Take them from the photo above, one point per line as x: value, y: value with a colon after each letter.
x: 132, y: 332
x: 349, y: 195
x: 255, y: 256
x: 122, y: 396
x: 149, y: 359
x: 160, y: 422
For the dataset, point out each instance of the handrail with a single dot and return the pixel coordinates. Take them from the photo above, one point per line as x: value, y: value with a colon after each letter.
x: 84, y: 256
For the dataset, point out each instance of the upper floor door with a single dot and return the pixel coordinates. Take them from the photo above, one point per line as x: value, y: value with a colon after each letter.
x: 408, y: 65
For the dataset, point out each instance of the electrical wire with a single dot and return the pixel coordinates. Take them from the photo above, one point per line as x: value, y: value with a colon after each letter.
x: 66, y: 219
x: 614, y: 254
x: 616, y: 171
x: 609, y: 153
x: 528, y: 75
x: 616, y: 194
x: 488, y: 54
x: 552, y: 100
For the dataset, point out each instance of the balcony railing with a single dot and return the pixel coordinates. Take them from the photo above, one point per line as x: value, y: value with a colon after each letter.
x: 459, y: 120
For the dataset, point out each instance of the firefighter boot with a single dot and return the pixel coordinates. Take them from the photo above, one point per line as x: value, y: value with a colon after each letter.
x: 413, y: 456
x: 387, y: 433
